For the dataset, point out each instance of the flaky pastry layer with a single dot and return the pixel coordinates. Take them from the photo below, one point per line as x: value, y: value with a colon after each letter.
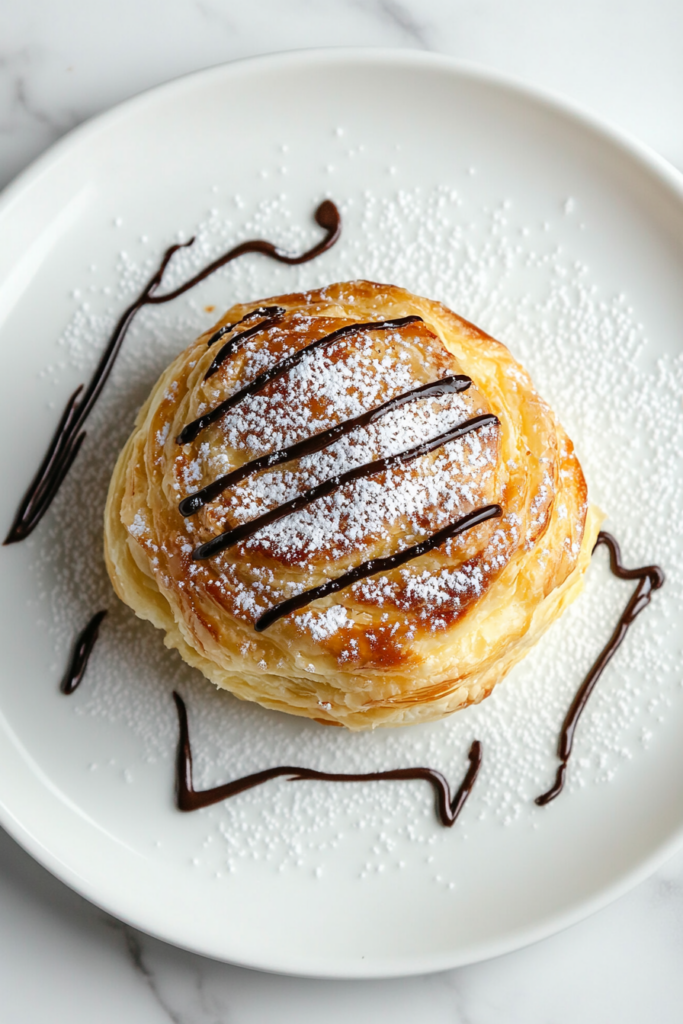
x: 410, y: 645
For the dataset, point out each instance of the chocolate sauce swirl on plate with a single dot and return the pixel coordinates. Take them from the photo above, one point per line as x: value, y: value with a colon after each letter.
x: 85, y: 641
x: 650, y: 578
x: 69, y: 435
x: 189, y: 799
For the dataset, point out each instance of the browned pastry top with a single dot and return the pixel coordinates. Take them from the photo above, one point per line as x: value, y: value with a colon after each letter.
x: 395, y: 640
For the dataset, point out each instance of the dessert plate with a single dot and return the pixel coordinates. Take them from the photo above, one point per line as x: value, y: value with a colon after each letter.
x: 551, y: 231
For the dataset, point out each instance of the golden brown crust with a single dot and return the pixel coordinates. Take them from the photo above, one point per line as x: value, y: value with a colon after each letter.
x: 416, y: 643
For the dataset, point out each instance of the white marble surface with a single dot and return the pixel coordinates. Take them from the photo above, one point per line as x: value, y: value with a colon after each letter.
x: 62, y: 959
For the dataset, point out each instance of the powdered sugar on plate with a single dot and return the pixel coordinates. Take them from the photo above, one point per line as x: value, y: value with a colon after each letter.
x: 587, y: 353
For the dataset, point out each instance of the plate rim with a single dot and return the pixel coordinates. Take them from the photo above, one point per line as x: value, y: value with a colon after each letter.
x: 663, y: 173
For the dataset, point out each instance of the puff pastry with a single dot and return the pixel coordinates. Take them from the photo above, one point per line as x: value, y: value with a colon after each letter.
x: 402, y: 645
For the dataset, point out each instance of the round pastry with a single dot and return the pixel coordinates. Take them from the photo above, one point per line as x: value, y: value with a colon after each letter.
x: 349, y: 504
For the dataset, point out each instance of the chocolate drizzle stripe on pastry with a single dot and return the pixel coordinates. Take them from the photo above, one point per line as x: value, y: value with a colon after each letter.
x: 310, y: 445
x: 238, y: 340
x: 193, y: 429
x: 374, y: 566
x: 264, y: 311
x: 448, y: 807
x: 69, y: 435
x: 335, y: 483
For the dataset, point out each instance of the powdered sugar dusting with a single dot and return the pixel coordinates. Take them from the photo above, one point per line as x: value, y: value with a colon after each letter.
x: 367, y: 505
x: 323, y: 624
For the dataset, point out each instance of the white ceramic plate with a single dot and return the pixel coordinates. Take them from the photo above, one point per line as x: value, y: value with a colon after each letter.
x: 533, y: 219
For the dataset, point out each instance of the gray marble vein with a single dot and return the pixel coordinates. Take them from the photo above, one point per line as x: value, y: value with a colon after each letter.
x: 134, y: 947
x: 404, y: 17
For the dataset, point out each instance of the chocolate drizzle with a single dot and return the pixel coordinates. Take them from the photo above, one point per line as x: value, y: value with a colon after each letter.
x: 189, y: 799
x: 310, y: 445
x: 238, y: 340
x: 376, y: 565
x: 650, y: 578
x: 69, y: 434
x: 82, y: 650
x: 226, y: 328
x: 191, y: 430
x: 327, y: 487
x: 193, y: 502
